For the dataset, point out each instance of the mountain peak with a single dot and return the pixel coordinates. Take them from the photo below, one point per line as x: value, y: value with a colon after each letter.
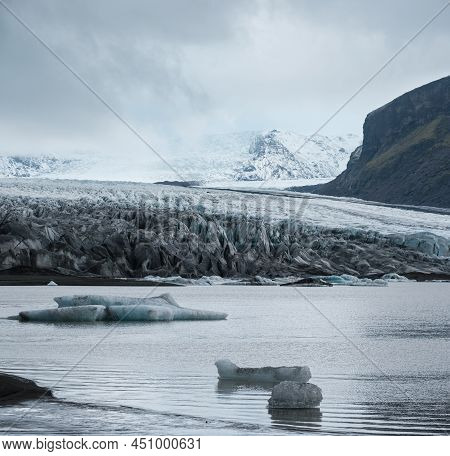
x: 405, y: 155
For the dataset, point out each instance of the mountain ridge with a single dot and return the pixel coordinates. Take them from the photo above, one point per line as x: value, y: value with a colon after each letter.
x: 242, y: 156
x: 405, y: 154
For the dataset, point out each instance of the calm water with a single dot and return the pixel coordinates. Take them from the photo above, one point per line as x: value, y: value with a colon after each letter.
x: 160, y: 378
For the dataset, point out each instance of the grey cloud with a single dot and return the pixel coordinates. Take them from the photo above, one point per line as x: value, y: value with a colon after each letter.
x: 185, y: 68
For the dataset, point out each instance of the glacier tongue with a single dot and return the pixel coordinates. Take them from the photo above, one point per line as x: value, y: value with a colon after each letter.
x: 138, y: 230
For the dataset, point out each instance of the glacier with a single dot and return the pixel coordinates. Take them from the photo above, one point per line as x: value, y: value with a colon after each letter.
x: 113, y: 229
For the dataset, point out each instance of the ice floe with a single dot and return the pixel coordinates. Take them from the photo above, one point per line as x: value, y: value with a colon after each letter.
x: 393, y: 277
x: 230, y: 371
x: 349, y: 280
x: 90, y: 308
x: 321, y: 280
x: 202, y: 281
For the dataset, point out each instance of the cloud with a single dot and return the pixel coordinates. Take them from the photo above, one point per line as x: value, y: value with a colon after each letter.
x: 179, y: 69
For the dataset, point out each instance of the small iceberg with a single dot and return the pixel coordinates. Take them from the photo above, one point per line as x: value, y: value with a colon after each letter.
x: 393, y: 277
x: 52, y: 284
x: 91, y: 308
x: 295, y: 395
x: 202, y: 281
x: 353, y: 281
x: 230, y: 371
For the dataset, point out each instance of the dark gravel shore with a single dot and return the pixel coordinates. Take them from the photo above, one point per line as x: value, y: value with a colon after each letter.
x: 23, y: 279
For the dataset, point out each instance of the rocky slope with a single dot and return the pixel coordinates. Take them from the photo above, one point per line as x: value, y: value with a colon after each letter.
x: 134, y: 230
x: 405, y: 155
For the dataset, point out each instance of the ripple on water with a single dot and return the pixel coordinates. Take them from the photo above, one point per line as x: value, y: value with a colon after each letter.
x: 161, y: 378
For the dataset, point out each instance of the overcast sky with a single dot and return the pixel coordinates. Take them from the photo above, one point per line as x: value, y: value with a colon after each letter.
x: 182, y: 69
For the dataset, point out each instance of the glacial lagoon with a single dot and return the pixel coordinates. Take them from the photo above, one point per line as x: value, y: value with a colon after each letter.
x: 379, y: 354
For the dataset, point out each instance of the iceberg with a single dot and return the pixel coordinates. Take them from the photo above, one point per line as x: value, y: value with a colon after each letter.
x: 68, y: 314
x: 393, y: 277
x: 295, y: 395
x: 82, y: 308
x: 230, y: 371
x: 349, y: 280
x: 140, y: 313
x: 108, y: 301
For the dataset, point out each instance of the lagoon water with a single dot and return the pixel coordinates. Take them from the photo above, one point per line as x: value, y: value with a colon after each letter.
x: 380, y: 355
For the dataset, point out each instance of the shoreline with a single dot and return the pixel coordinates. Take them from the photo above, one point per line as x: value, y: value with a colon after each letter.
x: 43, y: 278
x: 63, y: 280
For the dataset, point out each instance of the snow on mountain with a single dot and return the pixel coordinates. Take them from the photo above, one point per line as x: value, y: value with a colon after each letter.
x: 287, y: 155
x: 242, y: 156
x: 43, y: 166
x: 273, y: 155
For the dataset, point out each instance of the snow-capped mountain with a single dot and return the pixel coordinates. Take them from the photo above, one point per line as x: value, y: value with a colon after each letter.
x: 287, y: 155
x: 242, y: 156
x: 260, y: 156
x: 43, y: 166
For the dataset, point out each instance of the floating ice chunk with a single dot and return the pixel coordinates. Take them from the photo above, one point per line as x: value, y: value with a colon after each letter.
x: 202, y: 281
x: 392, y: 277
x: 264, y: 280
x: 68, y: 314
x: 140, y: 313
x: 349, y: 280
x: 80, y: 308
x: 229, y: 371
x: 108, y: 301
x: 164, y: 301
x: 52, y: 284
x: 295, y: 395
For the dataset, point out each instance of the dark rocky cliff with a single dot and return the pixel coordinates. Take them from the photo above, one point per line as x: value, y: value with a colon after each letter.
x: 405, y: 155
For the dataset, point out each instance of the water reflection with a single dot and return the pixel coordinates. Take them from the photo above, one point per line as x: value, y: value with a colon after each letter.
x: 233, y: 386
x: 300, y: 419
